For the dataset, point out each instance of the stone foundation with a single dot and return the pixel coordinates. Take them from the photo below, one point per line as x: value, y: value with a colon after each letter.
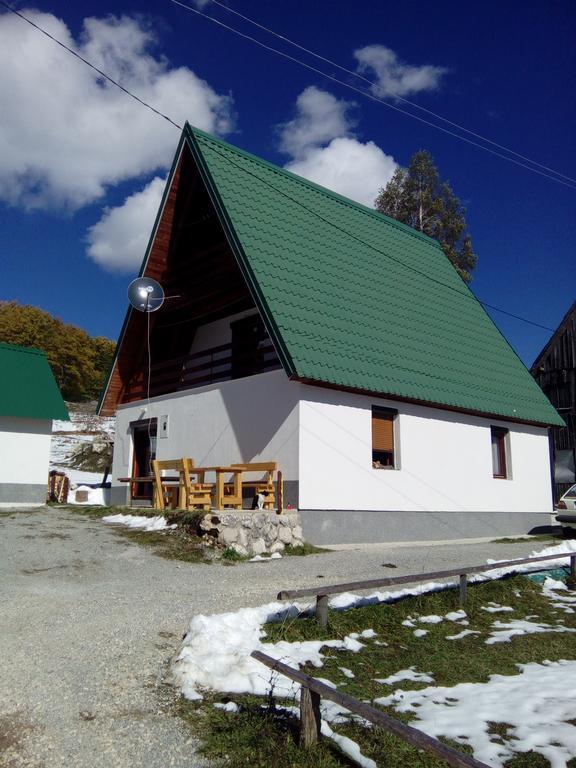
x: 254, y: 533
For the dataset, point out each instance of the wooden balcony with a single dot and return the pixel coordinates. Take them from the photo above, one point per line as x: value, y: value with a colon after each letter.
x: 200, y: 369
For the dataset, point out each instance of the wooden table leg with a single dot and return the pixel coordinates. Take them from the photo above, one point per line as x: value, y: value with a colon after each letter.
x: 219, y: 490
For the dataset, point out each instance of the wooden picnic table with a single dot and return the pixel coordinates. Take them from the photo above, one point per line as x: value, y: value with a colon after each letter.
x: 231, y: 497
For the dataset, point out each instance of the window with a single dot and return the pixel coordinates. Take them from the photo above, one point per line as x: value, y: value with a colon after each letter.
x: 498, y: 435
x: 383, y: 437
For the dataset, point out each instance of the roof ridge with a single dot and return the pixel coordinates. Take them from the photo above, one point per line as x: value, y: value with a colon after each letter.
x: 20, y: 348
x: 316, y: 187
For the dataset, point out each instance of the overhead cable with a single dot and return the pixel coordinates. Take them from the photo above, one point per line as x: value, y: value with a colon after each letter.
x: 370, y: 96
x: 395, y: 96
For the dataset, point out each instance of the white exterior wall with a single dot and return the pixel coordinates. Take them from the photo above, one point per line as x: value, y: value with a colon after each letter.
x: 24, y: 450
x: 445, y: 460
x: 24, y: 459
x: 249, y: 419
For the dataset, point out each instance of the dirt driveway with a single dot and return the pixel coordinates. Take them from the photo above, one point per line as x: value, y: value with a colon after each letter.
x: 89, y: 622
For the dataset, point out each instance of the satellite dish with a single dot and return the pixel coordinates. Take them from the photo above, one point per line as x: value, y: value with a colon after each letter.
x: 145, y: 294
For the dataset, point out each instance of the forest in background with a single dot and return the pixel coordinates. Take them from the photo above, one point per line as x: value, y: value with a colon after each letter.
x: 79, y: 362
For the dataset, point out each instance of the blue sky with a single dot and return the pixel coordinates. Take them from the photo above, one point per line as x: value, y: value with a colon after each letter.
x: 81, y: 165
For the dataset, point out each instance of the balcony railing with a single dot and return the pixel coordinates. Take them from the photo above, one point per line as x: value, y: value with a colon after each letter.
x: 199, y: 369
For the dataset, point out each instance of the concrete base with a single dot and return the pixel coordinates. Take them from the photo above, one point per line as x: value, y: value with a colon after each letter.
x: 19, y: 494
x: 362, y: 527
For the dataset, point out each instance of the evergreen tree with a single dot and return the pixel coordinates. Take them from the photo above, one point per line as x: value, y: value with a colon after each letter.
x: 416, y: 196
x: 79, y: 363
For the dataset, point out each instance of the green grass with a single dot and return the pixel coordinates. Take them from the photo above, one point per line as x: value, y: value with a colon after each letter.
x: 260, y: 737
x: 302, y: 550
x: 552, y: 537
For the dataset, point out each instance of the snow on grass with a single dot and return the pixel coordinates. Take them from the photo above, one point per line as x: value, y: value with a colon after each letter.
x: 215, y: 655
x: 349, y: 747
x: 458, y: 616
x: 139, y: 523
x: 265, y: 558
x: 347, y: 672
x: 496, y: 608
x: 420, y: 632
x: 502, y: 633
x: 433, y: 619
x: 537, y: 703
x: 464, y: 633
x: 406, y: 674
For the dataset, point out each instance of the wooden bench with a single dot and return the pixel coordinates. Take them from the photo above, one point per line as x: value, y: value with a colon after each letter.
x: 266, y: 485
x: 190, y: 494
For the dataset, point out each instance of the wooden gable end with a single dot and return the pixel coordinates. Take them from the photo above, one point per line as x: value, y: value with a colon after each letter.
x: 190, y: 256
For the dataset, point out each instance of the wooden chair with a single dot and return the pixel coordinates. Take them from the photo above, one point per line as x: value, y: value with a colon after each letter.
x: 199, y: 493
x: 266, y: 485
x: 164, y: 488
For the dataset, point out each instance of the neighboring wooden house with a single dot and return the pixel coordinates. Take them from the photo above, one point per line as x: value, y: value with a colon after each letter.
x: 29, y: 400
x: 308, y: 329
x: 555, y: 370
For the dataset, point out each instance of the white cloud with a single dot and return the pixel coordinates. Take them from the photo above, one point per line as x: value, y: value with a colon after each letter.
x: 118, y: 241
x: 66, y: 134
x: 320, y: 117
x: 319, y: 139
x: 393, y: 77
x: 347, y: 166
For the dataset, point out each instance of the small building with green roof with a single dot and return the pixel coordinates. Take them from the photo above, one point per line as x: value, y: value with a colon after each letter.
x: 304, y: 328
x: 29, y: 401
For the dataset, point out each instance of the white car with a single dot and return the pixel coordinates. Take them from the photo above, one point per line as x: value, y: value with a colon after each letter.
x: 566, y: 509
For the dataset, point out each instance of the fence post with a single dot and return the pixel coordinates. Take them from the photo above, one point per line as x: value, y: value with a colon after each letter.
x: 463, y: 589
x: 309, y: 717
x: 322, y: 610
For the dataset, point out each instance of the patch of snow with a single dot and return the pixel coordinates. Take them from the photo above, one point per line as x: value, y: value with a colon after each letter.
x: 406, y: 674
x: 537, y: 703
x: 139, y: 522
x: 408, y: 623
x: 265, y: 558
x: 496, y: 608
x: 503, y: 633
x: 368, y: 633
x: 92, y: 496
x: 420, y: 632
x: 433, y: 619
x: 460, y: 635
x: 350, y: 748
x: 216, y: 652
x: 79, y: 476
x: 456, y: 615
x: 347, y: 672
x: 230, y: 706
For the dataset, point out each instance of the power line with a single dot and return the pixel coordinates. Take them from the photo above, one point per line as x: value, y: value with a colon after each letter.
x: 469, y: 295
x: 396, y: 96
x: 368, y: 95
x: 89, y: 64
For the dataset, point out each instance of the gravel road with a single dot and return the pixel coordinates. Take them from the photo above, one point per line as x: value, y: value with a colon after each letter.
x: 89, y: 622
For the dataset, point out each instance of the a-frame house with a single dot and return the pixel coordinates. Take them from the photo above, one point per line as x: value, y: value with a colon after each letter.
x: 310, y: 330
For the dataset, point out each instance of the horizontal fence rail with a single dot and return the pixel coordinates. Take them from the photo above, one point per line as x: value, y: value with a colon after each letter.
x: 313, y: 690
x: 322, y: 593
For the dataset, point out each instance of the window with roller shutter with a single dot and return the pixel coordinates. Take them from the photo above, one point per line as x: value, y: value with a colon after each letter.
x: 383, y: 450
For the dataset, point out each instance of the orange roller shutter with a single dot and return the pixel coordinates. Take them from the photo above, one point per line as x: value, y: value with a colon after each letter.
x: 383, y: 432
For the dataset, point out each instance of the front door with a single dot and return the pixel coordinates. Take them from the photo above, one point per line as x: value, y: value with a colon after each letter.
x: 144, y: 441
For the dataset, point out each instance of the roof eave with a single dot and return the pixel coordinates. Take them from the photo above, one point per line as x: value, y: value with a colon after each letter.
x: 426, y: 403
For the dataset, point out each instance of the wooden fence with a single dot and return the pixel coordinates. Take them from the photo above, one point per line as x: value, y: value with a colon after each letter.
x: 313, y: 690
x: 461, y: 573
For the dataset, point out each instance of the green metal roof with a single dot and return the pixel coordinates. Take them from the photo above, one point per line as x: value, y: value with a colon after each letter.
x: 27, y: 385
x: 354, y: 299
